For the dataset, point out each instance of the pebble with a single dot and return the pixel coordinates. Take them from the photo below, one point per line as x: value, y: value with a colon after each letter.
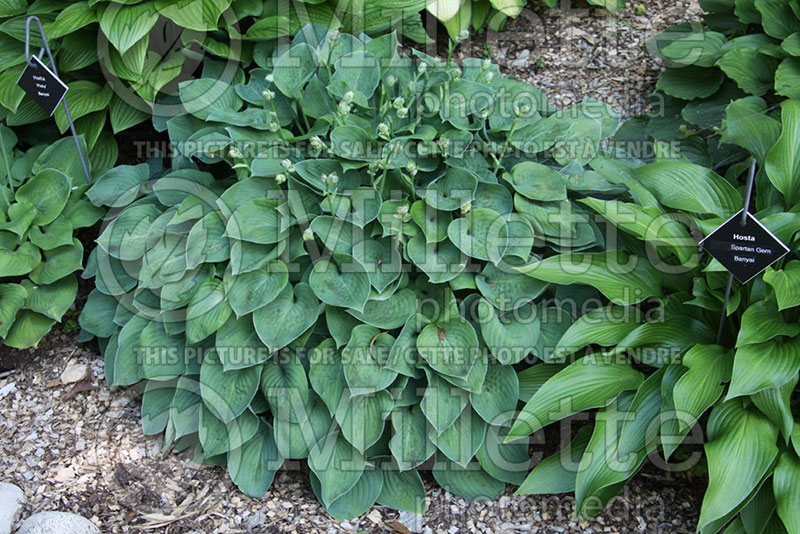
x: 522, y: 59
x: 57, y: 523
x: 11, y: 500
x: 74, y: 372
x: 413, y: 522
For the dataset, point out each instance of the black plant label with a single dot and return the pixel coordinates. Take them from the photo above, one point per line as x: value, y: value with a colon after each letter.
x: 745, y: 248
x: 42, y: 85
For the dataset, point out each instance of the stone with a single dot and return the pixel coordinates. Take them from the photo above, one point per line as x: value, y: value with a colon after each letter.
x: 413, y: 522
x: 74, y: 372
x: 57, y: 523
x: 11, y: 500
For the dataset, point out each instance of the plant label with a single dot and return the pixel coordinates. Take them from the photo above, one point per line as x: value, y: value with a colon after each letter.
x: 744, y: 248
x: 42, y: 85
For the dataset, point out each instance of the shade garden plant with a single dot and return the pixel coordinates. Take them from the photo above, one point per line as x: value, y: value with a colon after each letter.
x: 42, y: 207
x: 328, y: 269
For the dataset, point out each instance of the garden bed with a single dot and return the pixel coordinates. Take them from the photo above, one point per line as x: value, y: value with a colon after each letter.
x: 79, y: 446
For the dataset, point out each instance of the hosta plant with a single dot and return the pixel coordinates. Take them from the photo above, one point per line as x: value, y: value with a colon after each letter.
x: 121, y: 59
x: 742, y: 48
x: 658, y: 381
x: 327, y: 270
x: 42, y: 206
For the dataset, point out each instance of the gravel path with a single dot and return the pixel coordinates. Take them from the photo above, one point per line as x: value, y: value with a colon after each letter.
x: 79, y: 448
x: 574, y: 53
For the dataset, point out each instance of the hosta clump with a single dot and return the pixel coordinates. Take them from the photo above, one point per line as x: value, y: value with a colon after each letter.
x: 742, y: 48
x: 42, y: 205
x: 660, y: 377
x: 329, y: 269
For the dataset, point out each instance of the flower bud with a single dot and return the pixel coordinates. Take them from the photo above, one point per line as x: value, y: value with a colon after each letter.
x: 308, y: 234
x: 399, y: 102
x: 402, y: 113
x: 267, y: 94
x: 281, y: 178
x: 270, y: 78
x: 234, y: 153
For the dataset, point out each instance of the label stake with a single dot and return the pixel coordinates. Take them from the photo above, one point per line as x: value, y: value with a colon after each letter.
x: 45, y: 87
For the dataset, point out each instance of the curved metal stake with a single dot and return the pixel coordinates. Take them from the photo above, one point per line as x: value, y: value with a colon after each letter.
x: 46, y: 48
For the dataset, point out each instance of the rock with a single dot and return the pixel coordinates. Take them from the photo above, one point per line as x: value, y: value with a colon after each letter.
x: 11, y: 500
x: 57, y: 523
x: 522, y: 59
x: 413, y: 522
x: 74, y: 372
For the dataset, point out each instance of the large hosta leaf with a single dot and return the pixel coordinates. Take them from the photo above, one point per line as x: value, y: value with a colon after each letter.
x: 471, y: 484
x: 361, y: 419
x: 410, y: 444
x: 783, y: 160
x: 337, y: 465
x: 227, y: 393
x: 284, y: 319
x: 47, y: 192
x: 340, y: 281
x: 623, y: 279
x: 786, y: 485
x: 450, y: 347
x: 497, y: 399
x: 507, y: 289
x: 364, y: 358
x: 461, y: 440
x: 689, y: 187
x: 481, y: 234
x: 250, y: 291
x: 253, y: 466
x: 510, y: 336
x: 764, y: 365
x: 762, y: 322
x: 740, y: 449
x: 591, y: 382
x: 12, y: 299
x: 709, y: 368
x: 208, y: 310
x: 786, y: 284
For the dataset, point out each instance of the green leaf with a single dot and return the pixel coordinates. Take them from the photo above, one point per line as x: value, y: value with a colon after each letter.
x: 207, y: 242
x: 605, y: 327
x: 509, y: 336
x: 786, y: 486
x: 28, y: 329
x: 52, y: 300
x: 762, y: 322
x: 84, y: 97
x: 123, y: 115
x: 284, y: 383
x: 155, y: 406
x: 337, y: 464
x: 461, y: 440
x: 364, y: 358
x: 740, y: 450
x: 590, y: 382
x: 12, y: 299
x: 284, y: 319
x: 227, y: 393
x: 326, y: 374
x: 450, y: 347
x: 410, y: 444
x: 47, y: 192
x: 442, y: 402
x: 538, y: 182
x: 250, y: 291
x: 361, y: 418
x: 689, y: 187
x: 507, y: 289
x: 58, y: 263
x: 390, y: 313
x: 623, y: 279
x: 358, y: 500
x: 203, y: 96
x: 340, y: 281
x: 402, y: 490
x: 199, y: 15
x: 752, y: 71
x: 787, y: 77
x: 440, y: 261
x: 161, y: 355
x: 689, y: 83
x: 381, y: 260
x: 697, y: 390
x: 470, y: 483
x: 257, y: 221
x: 124, y: 25
x: 786, y: 284
x: 294, y: 68
x: 20, y: 261
x: 783, y: 160
x: 253, y: 466
x: 358, y: 71
x: 764, y: 365
x: 480, y: 234
x: 778, y: 17
x: 452, y: 191
x: 218, y: 437
x: 237, y: 344
x: 557, y: 473
x: 208, y: 310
